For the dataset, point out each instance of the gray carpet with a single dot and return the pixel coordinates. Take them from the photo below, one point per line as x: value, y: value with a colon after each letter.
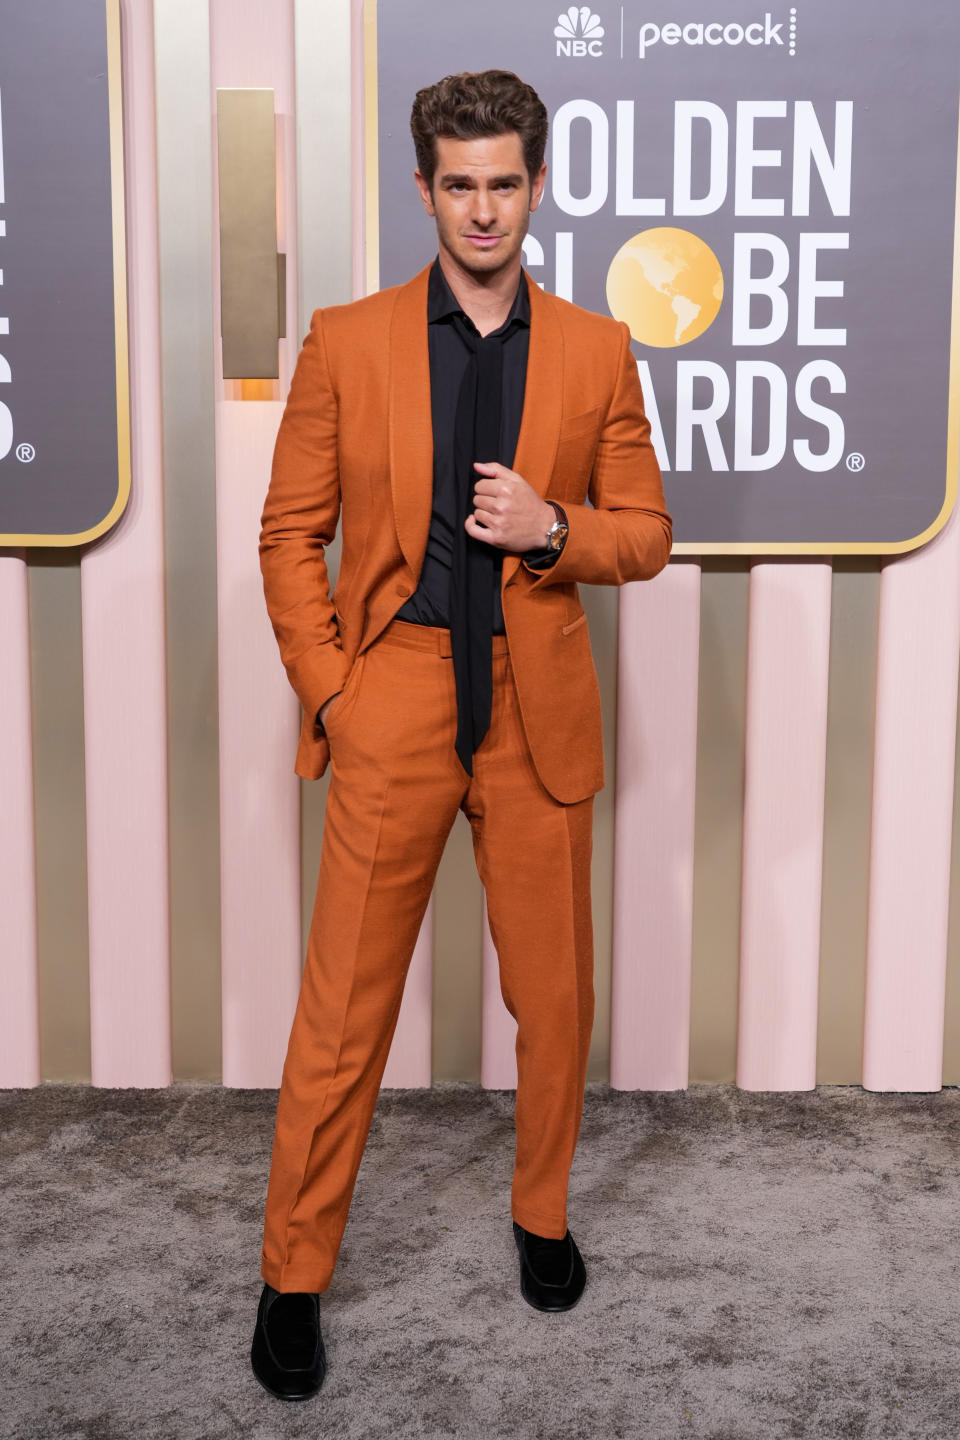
x: 758, y: 1266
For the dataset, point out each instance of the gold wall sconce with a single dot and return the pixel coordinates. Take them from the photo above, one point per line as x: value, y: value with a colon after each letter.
x: 252, y: 273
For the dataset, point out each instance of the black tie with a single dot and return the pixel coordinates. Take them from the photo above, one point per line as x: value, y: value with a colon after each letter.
x: 476, y: 564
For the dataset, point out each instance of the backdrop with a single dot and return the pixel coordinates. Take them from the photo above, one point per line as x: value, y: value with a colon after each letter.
x: 774, y: 869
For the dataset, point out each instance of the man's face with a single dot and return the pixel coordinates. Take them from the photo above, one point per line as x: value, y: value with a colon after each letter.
x: 481, y: 200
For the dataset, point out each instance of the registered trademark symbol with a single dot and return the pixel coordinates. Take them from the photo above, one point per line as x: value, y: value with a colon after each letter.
x: 855, y: 461
x: 26, y: 453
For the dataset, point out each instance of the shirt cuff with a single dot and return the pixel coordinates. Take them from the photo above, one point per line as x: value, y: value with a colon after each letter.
x: 541, y: 559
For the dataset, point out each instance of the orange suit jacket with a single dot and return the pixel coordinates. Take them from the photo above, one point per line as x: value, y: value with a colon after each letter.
x: 356, y: 443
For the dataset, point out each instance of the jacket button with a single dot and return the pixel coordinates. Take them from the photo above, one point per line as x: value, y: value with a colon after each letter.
x: 404, y: 590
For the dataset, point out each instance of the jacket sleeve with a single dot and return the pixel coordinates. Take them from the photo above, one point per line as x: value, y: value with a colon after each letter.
x: 626, y: 532
x: 299, y: 520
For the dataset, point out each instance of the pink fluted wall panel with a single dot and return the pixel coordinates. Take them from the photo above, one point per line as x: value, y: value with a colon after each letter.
x: 259, y: 792
x: 912, y: 816
x: 124, y: 691
x: 19, y: 1030
x: 251, y: 44
x: 659, y: 642
x: 788, y: 652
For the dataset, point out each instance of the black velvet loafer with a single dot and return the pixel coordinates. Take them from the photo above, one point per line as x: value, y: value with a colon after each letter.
x: 287, y: 1354
x: 552, y: 1272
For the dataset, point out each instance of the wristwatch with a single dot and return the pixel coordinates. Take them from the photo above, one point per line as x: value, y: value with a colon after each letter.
x: 557, y: 533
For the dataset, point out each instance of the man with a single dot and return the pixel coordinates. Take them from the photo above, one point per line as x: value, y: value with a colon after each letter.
x: 460, y: 423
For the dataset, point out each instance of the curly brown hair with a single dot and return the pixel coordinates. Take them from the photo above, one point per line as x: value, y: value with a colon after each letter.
x: 473, y: 105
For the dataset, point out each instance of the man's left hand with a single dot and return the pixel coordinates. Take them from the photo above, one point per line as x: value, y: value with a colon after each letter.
x: 507, y: 511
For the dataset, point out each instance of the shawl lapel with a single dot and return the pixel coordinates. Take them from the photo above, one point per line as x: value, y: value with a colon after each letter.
x: 410, y: 426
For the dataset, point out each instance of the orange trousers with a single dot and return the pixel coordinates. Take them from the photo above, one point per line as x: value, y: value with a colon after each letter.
x: 395, y: 788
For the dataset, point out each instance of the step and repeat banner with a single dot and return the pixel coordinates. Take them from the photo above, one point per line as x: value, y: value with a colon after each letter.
x: 64, y: 413
x: 768, y: 198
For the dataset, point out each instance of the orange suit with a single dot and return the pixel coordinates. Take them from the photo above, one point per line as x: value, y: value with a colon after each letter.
x: 355, y: 443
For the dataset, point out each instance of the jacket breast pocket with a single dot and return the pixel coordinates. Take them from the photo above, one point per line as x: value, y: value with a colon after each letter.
x: 576, y: 455
x: 575, y: 426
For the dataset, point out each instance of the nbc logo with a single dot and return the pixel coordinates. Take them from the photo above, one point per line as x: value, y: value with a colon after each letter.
x: 579, y: 32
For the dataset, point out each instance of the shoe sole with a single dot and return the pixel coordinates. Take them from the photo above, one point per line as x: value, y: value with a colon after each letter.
x: 307, y: 1394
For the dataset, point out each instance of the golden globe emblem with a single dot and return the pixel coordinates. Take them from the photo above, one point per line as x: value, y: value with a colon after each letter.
x: 666, y: 284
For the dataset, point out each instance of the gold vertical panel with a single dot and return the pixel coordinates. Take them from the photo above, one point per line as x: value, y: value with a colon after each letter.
x: 56, y: 698
x: 602, y: 604
x: 249, y: 266
x: 718, y: 827
x: 458, y: 960
x: 185, y: 234
x: 848, y: 803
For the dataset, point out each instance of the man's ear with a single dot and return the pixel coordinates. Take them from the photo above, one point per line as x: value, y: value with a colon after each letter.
x: 536, y: 190
x: 425, y: 194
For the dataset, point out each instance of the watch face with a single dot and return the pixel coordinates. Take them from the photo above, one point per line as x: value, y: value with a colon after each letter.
x: 557, y: 536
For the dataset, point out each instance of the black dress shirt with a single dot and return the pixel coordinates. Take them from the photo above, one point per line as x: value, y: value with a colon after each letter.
x: 429, y: 603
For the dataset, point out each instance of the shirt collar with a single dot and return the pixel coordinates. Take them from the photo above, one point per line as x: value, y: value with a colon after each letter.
x: 442, y: 302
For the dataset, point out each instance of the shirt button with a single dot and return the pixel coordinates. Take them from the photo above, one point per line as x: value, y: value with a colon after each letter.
x: 404, y: 590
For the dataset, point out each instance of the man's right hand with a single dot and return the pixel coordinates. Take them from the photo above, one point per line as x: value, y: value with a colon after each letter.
x: 322, y: 712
